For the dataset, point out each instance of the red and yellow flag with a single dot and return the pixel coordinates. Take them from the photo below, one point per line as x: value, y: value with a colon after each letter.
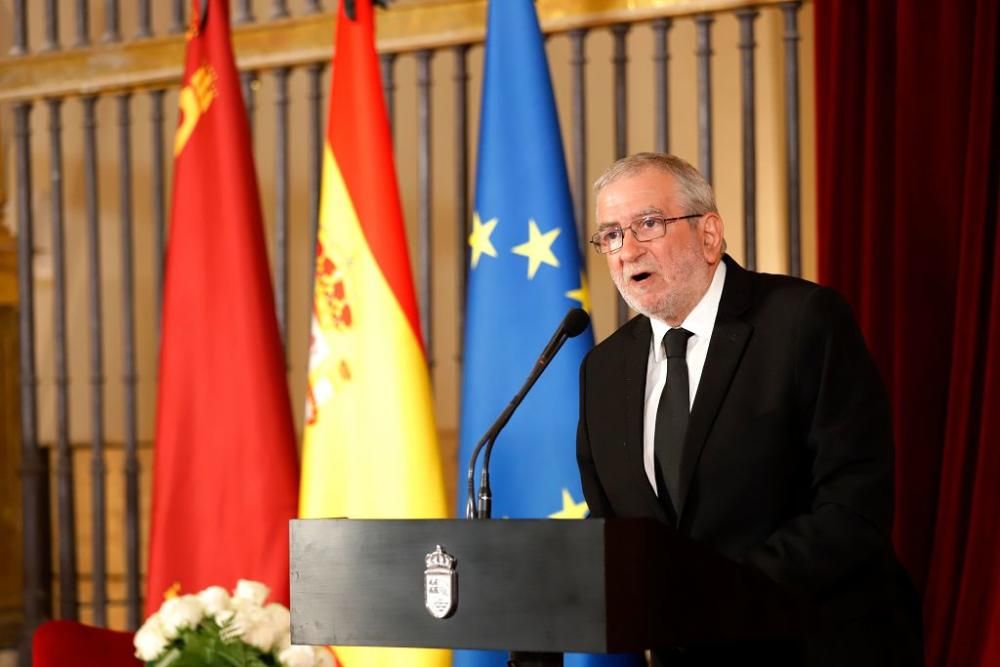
x: 370, y: 446
x: 225, y: 466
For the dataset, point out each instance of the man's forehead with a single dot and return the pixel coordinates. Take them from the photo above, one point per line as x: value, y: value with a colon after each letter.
x: 631, y: 194
x: 627, y: 205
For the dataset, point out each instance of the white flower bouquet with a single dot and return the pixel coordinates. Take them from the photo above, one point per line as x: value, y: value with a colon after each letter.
x: 216, y: 628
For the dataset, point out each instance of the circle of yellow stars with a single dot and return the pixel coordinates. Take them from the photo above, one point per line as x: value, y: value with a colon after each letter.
x: 537, y: 249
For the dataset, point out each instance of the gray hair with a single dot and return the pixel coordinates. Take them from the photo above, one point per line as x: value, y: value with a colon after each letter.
x: 695, y: 191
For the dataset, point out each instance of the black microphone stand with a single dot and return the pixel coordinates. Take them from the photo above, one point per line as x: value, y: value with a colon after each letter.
x: 572, y: 325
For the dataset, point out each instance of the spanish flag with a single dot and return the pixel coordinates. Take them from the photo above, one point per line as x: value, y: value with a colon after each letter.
x: 370, y: 447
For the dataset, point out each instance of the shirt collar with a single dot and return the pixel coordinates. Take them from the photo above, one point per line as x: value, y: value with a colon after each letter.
x: 700, y: 321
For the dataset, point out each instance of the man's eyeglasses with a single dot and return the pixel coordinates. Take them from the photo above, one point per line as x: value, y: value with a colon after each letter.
x: 610, y: 239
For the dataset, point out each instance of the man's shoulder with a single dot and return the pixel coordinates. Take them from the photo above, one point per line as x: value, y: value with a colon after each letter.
x: 779, y: 283
x: 783, y: 290
x: 782, y: 298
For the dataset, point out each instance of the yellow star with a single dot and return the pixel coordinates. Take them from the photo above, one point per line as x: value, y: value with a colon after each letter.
x: 479, y: 239
x: 581, y: 294
x: 538, y: 248
x: 570, y: 509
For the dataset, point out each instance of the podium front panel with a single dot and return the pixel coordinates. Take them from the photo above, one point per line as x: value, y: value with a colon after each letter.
x: 527, y: 585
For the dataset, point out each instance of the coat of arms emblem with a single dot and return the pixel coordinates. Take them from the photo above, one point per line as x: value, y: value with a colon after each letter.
x: 440, y: 583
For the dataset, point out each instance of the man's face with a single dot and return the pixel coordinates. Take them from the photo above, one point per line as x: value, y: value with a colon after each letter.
x: 666, y: 277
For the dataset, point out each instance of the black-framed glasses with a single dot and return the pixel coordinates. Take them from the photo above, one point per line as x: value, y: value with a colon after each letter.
x: 611, y: 239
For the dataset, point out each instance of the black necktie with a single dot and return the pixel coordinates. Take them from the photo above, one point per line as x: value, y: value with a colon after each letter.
x: 672, y: 417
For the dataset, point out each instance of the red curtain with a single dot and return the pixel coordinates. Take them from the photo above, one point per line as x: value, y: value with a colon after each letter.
x: 908, y: 153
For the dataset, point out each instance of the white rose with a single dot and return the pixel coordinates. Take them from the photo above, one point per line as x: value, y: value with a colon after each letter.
x: 214, y: 599
x: 183, y: 611
x: 281, y: 623
x: 149, y: 641
x: 298, y: 656
x: 255, y: 628
x: 280, y: 617
x: 283, y: 641
x: 251, y: 591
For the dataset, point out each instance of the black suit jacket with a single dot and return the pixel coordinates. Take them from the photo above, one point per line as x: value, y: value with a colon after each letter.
x: 786, y: 465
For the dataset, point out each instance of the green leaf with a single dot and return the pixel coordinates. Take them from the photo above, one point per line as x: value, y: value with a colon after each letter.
x: 202, y: 646
x: 169, y: 658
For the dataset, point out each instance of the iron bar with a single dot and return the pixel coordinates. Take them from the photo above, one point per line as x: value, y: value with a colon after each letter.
x: 248, y: 83
x: 51, y: 42
x: 462, y: 211
x: 98, y: 469
x: 424, y: 187
x: 703, y: 51
x: 156, y: 184
x: 281, y: 202
x: 177, y: 16
x: 316, y: 149
x: 279, y: 9
x: 144, y: 24
x: 620, y: 61
x: 748, y: 114
x: 64, y: 457
x: 34, y: 477
x: 578, y: 62
x: 129, y: 377
x: 82, y: 24
x: 661, y: 83
x: 791, y: 38
x: 112, y: 28
x: 19, y: 21
x: 244, y: 13
x: 388, y: 64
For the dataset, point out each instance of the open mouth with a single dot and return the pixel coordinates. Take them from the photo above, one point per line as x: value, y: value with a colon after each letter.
x: 641, y: 276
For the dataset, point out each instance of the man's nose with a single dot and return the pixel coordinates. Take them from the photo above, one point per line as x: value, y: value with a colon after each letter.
x: 631, y: 248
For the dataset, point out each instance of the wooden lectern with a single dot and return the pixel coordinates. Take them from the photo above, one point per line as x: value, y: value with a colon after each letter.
x: 536, y: 586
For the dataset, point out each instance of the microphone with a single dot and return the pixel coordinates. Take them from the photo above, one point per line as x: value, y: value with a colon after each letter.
x: 572, y: 325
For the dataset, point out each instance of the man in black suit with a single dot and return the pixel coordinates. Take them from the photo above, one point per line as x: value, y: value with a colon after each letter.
x: 743, y: 410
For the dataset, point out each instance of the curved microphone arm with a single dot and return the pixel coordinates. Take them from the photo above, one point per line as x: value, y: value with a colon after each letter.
x: 572, y: 325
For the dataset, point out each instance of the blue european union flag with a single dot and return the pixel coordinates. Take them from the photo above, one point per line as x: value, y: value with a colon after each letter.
x: 525, y: 273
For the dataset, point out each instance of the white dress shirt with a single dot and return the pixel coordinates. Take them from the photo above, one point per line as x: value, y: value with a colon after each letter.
x: 700, y: 322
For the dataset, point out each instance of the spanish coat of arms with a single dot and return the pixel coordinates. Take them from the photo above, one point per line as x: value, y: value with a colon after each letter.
x: 440, y: 583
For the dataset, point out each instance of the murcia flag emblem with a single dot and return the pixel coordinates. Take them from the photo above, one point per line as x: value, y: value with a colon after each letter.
x: 440, y: 583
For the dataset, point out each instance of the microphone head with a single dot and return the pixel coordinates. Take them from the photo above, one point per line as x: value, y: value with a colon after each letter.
x: 575, y: 322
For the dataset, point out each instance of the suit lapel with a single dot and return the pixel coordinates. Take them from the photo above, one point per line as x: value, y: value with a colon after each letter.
x: 636, y: 360
x: 729, y: 339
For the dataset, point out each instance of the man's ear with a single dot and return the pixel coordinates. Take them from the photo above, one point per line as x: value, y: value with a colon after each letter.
x: 711, y: 237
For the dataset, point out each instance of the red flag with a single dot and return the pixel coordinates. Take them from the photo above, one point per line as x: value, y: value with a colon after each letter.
x: 225, y: 471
